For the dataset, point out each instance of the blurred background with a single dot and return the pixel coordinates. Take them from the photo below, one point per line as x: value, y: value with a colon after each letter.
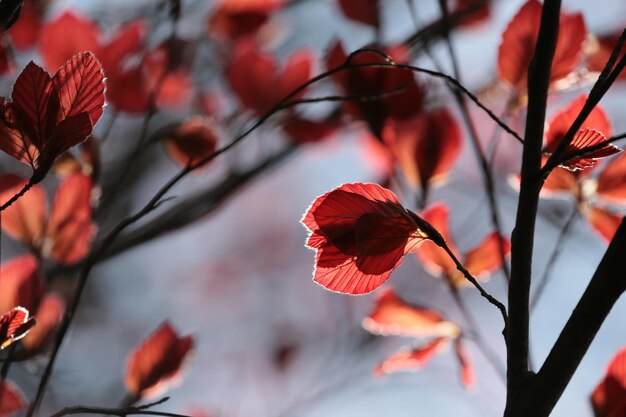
x: 234, y: 272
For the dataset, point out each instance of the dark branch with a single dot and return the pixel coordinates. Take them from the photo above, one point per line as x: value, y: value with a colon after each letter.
x: 607, y: 285
x: 522, y: 239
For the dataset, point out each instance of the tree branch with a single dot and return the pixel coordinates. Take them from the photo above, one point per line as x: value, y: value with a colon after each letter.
x: 606, y: 286
x: 522, y: 238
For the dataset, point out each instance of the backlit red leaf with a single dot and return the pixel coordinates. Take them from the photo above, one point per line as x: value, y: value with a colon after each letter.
x: 259, y: 84
x: 36, y: 128
x: 468, y: 378
x: 611, y: 183
x: 561, y: 181
x: 20, y: 284
x: 234, y: 25
x: 35, y: 103
x: 252, y: 5
x: 25, y: 32
x: 401, y: 96
x: 484, y: 259
x: 165, y: 66
x: 127, y: 84
x: 11, y: 399
x: 307, y: 131
x: 561, y: 122
x: 603, y: 222
x: 425, y: 146
x: 119, y: 86
x: 24, y: 220
x: 392, y: 316
x: 70, y: 132
x: 128, y: 41
x: 65, y: 36
x: 12, y: 140
x: 49, y: 315
x: 609, y: 397
x: 360, y: 233
x: 601, y: 51
x: 412, y: 360
x: 191, y: 141
x: 584, y: 139
x: 80, y: 85
x: 70, y: 227
x: 519, y: 39
x: 156, y: 362
x: 14, y: 325
x: 363, y: 11
x: 474, y: 11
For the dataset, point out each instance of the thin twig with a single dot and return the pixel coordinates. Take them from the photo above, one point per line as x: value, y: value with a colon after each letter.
x: 476, y: 284
x: 17, y: 196
x: 478, y: 339
x: 483, y: 163
x: 120, y: 412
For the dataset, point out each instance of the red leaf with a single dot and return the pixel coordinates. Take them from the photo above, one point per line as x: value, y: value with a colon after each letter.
x: 603, y: 222
x: 70, y: 34
x: 165, y: 64
x: 65, y: 36
x: 258, y: 83
x: 49, y: 314
x: 128, y: 41
x: 561, y: 122
x: 392, y: 316
x: 477, y: 11
x: 26, y: 30
x: 70, y: 132
x: 434, y: 259
x: 34, y: 129
x: 234, y: 25
x: 119, y: 88
x: 252, y: 5
x: 80, y: 85
x: 609, y: 396
x: 484, y: 259
x: 601, y: 51
x: 20, y: 284
x: 425, y: 146
x: 13, y: 141
x: 24, y: 220
x: 14, y: 325
x: 404, y: 96
x: 612, y: 181
x: 412, y: 360
x: 35, y: 104
x: 560, y: 180
x: 156, y: 362
x: 363, y: 11
x: 86, y: 162
x: 584, y: 139
x: 360, y: 233
x: 191, y: 141
x: 468, y: 378
x: 308, y: 131
x: 519, y: 39
x: 11, y: 399
x: 70, y: 228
